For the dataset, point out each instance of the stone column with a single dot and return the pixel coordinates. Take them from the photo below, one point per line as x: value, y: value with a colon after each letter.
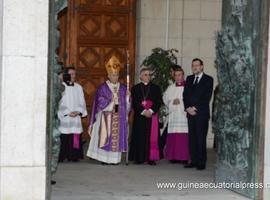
x: 23, y: 93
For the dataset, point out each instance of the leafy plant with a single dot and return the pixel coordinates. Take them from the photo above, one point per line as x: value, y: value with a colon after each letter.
x: 160, y: 62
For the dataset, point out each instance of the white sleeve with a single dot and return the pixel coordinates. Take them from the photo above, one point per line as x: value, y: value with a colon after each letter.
x: 166, y: 97
x: 142, y: 113
x: 63, y: 109
x: 82, y: 105
x: 151, y: 110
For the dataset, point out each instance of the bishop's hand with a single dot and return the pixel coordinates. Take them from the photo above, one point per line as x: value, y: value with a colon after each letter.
x: 128, y: 93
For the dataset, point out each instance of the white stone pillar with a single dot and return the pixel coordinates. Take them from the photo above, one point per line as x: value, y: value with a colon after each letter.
x: 23, y: 92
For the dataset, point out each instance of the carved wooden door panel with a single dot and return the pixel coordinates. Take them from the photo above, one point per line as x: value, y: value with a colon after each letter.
x: 98, y: 29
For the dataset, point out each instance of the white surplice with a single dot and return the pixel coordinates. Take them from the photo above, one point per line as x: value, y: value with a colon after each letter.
x: 177, y: 120
x: 94, y: 151
x: 71, y: 101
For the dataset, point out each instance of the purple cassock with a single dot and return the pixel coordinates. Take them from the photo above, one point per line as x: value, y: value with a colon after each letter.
x: 103, y: 98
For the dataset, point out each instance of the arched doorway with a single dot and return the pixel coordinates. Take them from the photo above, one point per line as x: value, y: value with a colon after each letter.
x: 244, y: 159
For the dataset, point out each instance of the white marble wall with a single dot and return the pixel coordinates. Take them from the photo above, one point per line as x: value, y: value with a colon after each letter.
x: 187, y: 25
x: 191, y: 27
x: 151, y: 27
x: 23, y: 64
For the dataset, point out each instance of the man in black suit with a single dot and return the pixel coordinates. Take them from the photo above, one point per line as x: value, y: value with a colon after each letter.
x: 197, y: 95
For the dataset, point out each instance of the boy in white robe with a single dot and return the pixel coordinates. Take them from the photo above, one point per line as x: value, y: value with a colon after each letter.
x: 72, y: 108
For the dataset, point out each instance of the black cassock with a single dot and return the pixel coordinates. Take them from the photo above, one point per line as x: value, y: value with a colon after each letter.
x: 141, y: 131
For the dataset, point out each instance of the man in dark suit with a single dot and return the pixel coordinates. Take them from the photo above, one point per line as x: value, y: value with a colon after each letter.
x: 197, y: 95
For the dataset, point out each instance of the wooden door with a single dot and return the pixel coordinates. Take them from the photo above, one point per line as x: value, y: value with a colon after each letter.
x: 96, y: 30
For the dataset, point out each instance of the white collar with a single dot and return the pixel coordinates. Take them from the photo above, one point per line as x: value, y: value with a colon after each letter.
x: 199, y: 75
x: 113, y: 84
x: 64, y: 83
x: 145, y: 83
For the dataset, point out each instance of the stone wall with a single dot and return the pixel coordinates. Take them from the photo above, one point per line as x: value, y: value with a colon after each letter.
x: 187, y: 25
x: 23, y: 64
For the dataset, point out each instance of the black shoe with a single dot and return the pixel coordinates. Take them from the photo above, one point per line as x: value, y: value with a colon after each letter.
x: 152, y: 163
x: 191, y: 165
x: 184, y: 162
x: 53, y: 182
x: 200, y: 167
x: 103, y: 163
x: 114, y: 164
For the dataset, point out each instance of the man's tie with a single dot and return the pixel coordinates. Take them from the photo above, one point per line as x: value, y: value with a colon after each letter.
x: 196, y: 80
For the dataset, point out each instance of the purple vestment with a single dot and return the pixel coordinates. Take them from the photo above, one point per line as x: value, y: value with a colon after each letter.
x: 102, y: 99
